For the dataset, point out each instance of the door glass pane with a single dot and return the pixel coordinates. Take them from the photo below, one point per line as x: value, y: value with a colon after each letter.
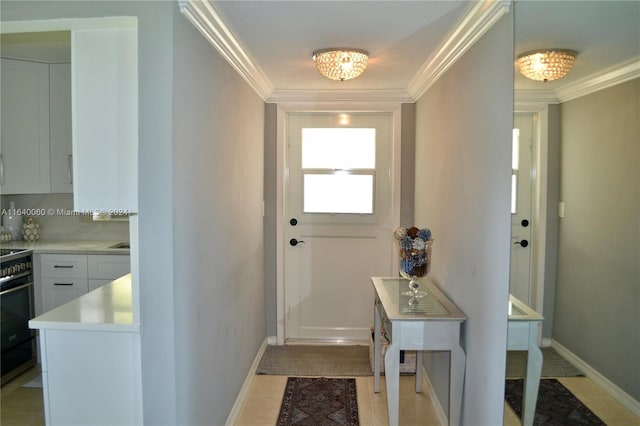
x: 338, y: 148
x: 515, y: 164
x: 338, y: 193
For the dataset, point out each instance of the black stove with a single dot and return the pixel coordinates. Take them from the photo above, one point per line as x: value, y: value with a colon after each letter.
x: 8, y: 251
x: 18, y: 344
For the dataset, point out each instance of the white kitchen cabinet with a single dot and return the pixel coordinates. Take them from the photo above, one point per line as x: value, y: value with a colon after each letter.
x: 36, y: 159
x: 58, y: 291
x: 24, y: 153
x: 91, y: 371
x: 105, y: 119
x: 60, y: 128
x: 65, y: 277
x: 103, y: 269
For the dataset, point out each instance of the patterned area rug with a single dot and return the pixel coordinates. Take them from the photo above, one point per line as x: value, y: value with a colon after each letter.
x: 319, y: 401
x: 315, y: 360
x: 553, y: 365
x: 556, y: 405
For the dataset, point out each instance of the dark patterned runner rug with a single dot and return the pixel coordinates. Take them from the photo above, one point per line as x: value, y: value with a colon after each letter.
x: 319, y: 401
x: 556, y: 405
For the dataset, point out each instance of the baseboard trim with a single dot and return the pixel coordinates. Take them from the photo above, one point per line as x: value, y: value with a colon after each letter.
x: 435, y: 402
x: 244, y: 390
x: 612, y: 389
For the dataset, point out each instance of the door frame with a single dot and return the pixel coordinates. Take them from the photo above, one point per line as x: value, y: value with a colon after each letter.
x: 539, y: 166
x: 282, y: 113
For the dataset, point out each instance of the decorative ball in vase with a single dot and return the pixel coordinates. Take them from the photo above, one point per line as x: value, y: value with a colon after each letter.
x: 415, y: 256
x: 30, y: 230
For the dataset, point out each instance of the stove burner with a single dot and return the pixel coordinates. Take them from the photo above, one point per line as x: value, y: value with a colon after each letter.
x: 8, y: 251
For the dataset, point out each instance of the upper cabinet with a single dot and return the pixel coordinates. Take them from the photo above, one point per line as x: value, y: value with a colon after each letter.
x: 36, y: 128
x: 104, y: 65
x: 25, y: 146
x: 60, y: 127
x: 74, y: 127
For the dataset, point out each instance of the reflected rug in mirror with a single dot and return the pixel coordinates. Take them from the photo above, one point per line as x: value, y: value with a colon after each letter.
x: 314, y: 401
x: 553, y: 364
x: 556, y: 405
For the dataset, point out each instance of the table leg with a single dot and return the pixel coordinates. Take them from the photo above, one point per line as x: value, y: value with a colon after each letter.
x: 392, y: 376
x: 419, y: 371
x: 531, y: 385
x: 458, y: 362
x: 377, y: 350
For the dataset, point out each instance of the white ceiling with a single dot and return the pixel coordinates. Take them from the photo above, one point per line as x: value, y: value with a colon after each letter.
x: 282, y: 35
x: 411, y: 43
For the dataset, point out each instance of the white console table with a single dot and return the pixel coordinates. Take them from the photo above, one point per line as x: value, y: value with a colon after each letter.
x: 428, y: 323
x: 522, y: 335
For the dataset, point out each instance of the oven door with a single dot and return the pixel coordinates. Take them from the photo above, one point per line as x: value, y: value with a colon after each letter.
x: 17, y: 340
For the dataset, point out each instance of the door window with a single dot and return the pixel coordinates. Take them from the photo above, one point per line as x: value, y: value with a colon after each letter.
x: 338, y: 168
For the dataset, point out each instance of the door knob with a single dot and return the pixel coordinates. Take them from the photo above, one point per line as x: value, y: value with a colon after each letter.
x: 295, y: 242
x: 523, y: 243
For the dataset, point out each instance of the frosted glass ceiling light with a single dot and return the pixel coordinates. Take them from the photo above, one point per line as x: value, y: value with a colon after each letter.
x: 547, y: 64
x: 341, y: 63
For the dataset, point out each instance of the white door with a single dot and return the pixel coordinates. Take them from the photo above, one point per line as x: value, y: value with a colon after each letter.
x: 521, y: 208
x: 338, y: 222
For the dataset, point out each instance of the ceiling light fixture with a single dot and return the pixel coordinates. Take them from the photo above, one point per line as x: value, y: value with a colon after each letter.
x: 341, y: 63
x: 546, y: 64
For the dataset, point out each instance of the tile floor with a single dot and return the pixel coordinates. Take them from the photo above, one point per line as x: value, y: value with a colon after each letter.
x: 23, y: 406
x: 262, y: 404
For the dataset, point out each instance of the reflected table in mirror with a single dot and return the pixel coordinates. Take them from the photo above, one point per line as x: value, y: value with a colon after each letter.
x: 430, y: 322
x: 522, y: 335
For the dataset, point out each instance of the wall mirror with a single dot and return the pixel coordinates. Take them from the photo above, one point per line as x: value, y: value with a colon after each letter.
x: 576, y: 231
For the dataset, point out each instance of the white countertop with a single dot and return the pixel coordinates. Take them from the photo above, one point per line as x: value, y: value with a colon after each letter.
x: 69, y: 246
x: 108, y: 308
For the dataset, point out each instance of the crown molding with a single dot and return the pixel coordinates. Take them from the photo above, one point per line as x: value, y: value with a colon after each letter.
x: 478, y: 19
x: 207, y: 20
x: 617, y: 74
x: 324, y: 96
x: 534, y: 96
x: 473, y: 25
x: 620, y: 73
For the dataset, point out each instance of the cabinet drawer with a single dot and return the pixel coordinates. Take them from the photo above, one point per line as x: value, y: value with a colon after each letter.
x: 109, y: 266
x: 58, y: 291
x: 63, y: 266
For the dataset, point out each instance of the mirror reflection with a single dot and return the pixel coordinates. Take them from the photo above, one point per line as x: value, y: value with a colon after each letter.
x: 576, y: 186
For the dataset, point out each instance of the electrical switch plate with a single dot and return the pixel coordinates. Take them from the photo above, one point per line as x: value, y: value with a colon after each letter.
x: 561, y: 209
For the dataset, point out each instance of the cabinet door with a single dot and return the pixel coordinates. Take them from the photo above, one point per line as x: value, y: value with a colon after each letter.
x: 108, y: 266
x: 105, y: 119
x: 24, y: 152
x: 63, y: 266
x: 60, y: 128
x: 58, y: 291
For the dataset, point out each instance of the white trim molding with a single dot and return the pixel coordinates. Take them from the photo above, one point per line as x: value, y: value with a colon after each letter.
x: 207, y: 20
x: 232, y: 419
x: 620, y: 73
x: 479, y: 18
x: 332, y: 96
x: 596, y: 377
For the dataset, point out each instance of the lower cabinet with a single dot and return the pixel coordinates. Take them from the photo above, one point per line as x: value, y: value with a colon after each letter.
x: 65, y: 277
x: 91, y: 378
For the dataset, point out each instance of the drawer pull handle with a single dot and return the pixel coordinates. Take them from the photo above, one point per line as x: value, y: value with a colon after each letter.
x: 67, y: 284
x: 63, y: 266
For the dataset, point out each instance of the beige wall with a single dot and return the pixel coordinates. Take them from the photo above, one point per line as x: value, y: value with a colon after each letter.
x: 597, y: 306
x: 200, y: 219
x: 218, y: 126
x: 462, y: 192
